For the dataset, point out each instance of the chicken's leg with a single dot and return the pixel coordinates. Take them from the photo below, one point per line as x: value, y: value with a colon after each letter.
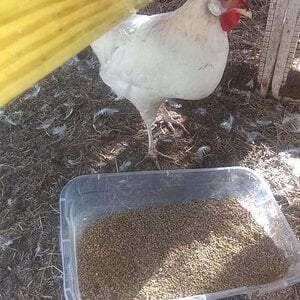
x: 153, y: 153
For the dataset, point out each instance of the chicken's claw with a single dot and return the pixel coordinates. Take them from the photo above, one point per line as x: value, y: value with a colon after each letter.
x: 153, y: 155
x: 170, y: 120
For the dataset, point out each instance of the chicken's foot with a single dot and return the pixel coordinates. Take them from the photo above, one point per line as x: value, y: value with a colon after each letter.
x: 171, y: 118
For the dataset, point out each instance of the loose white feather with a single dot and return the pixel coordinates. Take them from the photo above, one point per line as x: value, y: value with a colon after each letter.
x: 13, y: 119
x: 252, y: 136
x: 33, y: 92
x: 292, y: 123
x: 73, y: 61
x: 201, y: 111
x: 4, y: 243
x: 59, y: 94
x: 106, y: 111
x: 174, y: 104
x: 202, y: 152
x: 228, y: 124
x: 45, y: 124
x: 125, y: 165
x: 263, y: 122
x: 59, y: 130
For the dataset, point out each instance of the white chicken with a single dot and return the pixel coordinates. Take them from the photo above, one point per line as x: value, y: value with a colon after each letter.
x: 180, y: 54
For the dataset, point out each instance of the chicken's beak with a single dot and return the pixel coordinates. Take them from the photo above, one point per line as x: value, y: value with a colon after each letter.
x: 244, y: 12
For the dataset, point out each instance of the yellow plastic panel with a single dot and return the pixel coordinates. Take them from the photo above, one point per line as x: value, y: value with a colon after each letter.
x: 37, y: 36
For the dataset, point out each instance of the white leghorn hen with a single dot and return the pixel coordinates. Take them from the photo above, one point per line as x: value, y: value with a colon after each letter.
x: 180, y: 54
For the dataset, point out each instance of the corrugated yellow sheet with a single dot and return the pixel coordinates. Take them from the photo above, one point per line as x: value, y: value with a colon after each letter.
x: 37, y: 36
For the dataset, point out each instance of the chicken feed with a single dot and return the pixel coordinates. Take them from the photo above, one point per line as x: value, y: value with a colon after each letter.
x: 175, y: 251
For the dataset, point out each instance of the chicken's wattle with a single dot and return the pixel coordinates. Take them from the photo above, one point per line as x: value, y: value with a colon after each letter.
x: 229, y: 20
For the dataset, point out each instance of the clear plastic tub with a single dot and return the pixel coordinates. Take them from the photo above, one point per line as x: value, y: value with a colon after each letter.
x: 90, y: 197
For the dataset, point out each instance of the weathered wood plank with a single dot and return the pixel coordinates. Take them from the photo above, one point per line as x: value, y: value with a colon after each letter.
x: 286, y: 44
x: 277, y: 13
x: 293, y: 49
x: 263, y: 54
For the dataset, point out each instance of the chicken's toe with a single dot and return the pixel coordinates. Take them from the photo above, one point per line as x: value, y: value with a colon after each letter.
x: 153, y: 155
x: 171, y: 119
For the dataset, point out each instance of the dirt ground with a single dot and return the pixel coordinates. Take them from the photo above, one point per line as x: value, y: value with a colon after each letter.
x: 58, y: 130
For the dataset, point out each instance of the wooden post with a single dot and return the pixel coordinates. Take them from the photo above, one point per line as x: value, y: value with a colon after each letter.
x: 273, y: 33
x: 286, y: 44
x: 293, y: 49
x: 280, y: 42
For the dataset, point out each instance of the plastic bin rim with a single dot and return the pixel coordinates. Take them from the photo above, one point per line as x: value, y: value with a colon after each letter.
x: 167, y: 172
